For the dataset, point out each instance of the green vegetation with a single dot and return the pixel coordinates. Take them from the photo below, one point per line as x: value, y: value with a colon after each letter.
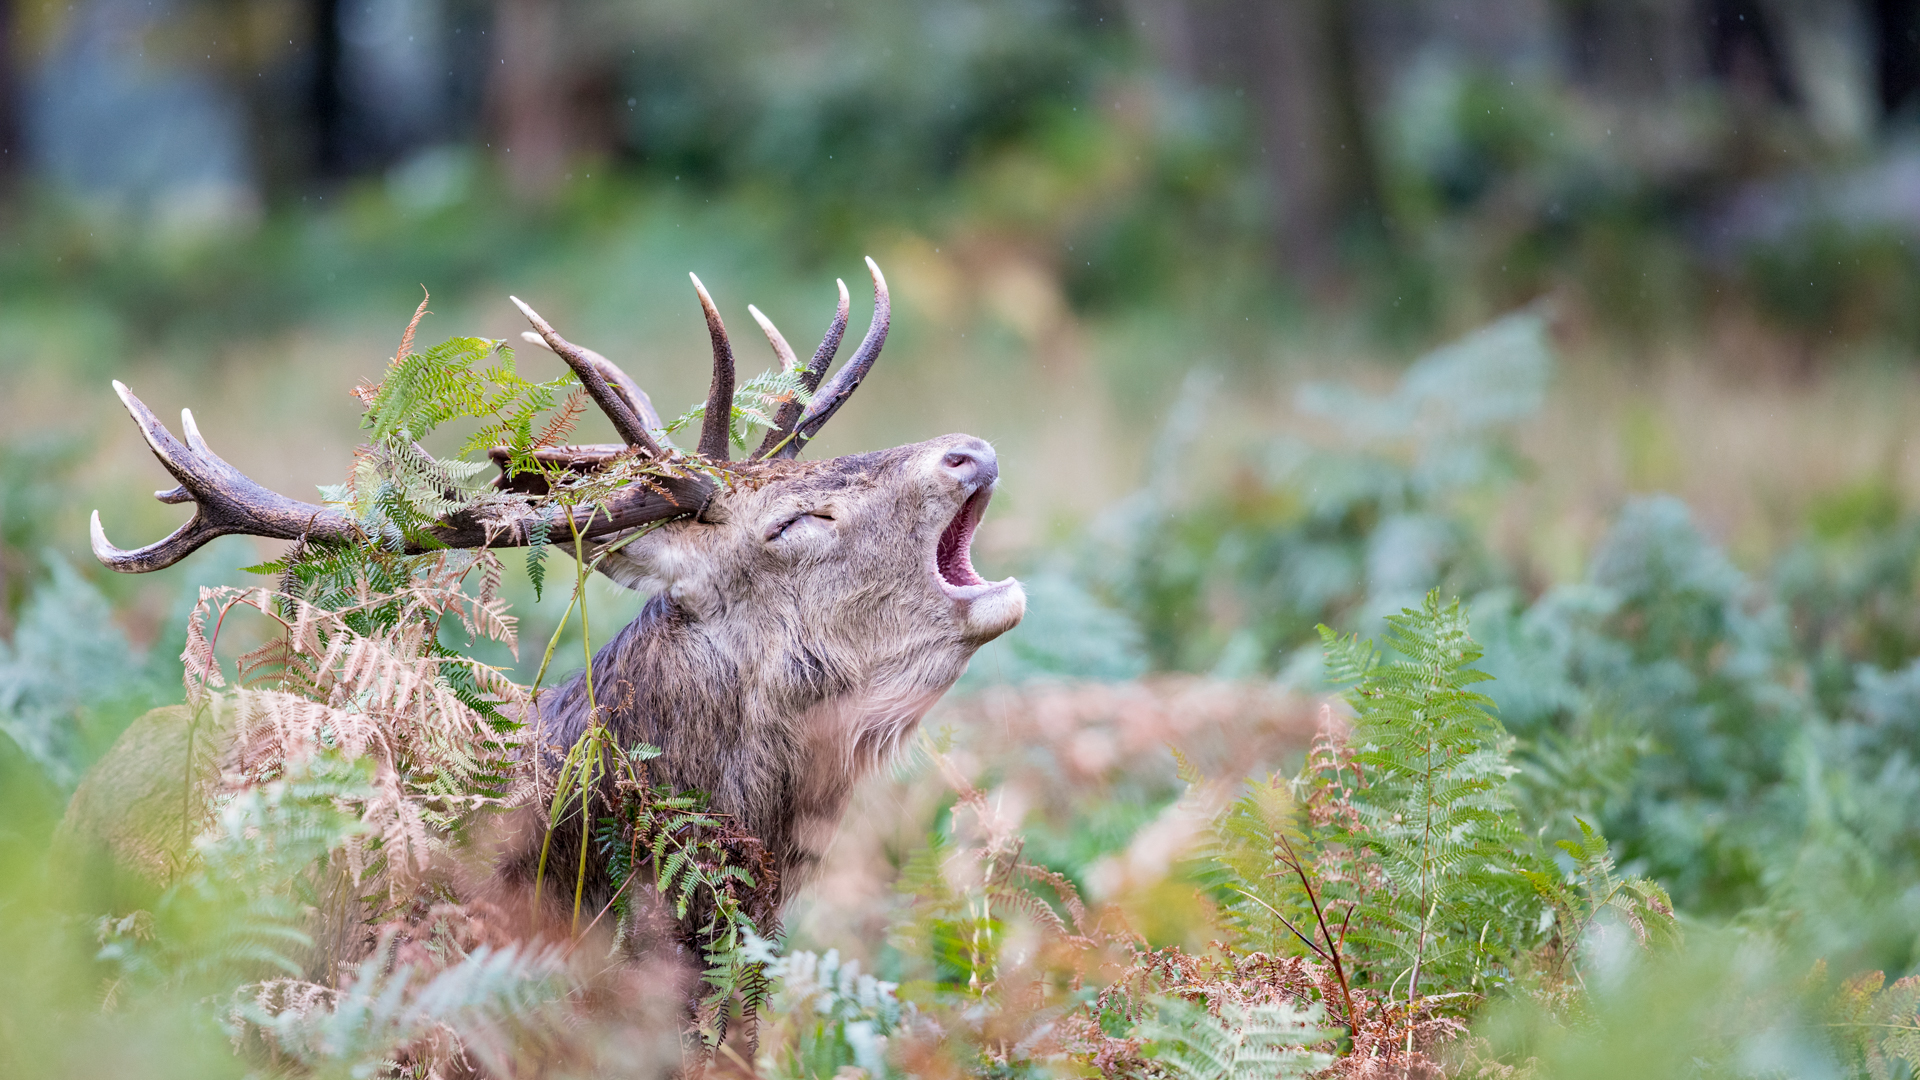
x: 1530, y: 845
x: 1428, y: 709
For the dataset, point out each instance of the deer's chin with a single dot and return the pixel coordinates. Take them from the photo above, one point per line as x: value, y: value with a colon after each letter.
x: 994, y: 610
x: 987, y: 608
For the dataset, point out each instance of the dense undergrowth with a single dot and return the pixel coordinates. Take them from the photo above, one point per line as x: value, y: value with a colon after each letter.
x: 1658, y: 817
x: 1674, y: 838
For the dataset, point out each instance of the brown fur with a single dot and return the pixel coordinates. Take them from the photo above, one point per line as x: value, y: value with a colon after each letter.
x: 774, y: 671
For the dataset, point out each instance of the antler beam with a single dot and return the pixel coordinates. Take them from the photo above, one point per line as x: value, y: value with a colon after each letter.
x: 224, y: 500
x: 227, y: 502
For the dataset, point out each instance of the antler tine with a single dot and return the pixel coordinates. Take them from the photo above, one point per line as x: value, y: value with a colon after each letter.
x: 847, y: 379
x: 159, y: 555
x: 809, y: 376
x: 191, y: 430
x: 592, y: 373
x: 225, y: 501
x: 719, y: 415
x: 788, y: 361
x: 830, y: 344
x: 637, y: 399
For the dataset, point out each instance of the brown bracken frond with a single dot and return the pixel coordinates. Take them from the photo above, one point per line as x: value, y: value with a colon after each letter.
x: 406, y: 339
x: 563, y: 421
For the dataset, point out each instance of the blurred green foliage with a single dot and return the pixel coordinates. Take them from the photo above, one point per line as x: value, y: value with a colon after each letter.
x: 1749, y: 738
x: 1727, y: 731
x: 69, y: 680
x: 846, y: 104
x: 1233, y: 580
x: 1746, y: 741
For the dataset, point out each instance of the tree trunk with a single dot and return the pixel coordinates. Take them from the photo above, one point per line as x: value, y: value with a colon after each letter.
x: 326, y: 104
x: 1632, y: 49
x: 1296, y: 63
x: 10, y: 149
x: 1744, y: 51
x: 1896, y: 32
x: 528, y: 98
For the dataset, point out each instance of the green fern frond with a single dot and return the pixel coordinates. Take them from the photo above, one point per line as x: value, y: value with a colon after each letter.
x: 1434, y: 821
x: 239, y: 908
x: 423, y: 390
x: 1593, y: 891
x: 400, y: 492
x: 493, y: 1005
x: 539, y: 536
x: 825, y: 1014
x: 754, y: 404
x: 1244, y: 866
x: 1260, y: 1042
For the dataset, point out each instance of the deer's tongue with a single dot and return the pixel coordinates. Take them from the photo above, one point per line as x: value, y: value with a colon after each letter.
x: 951, y: 558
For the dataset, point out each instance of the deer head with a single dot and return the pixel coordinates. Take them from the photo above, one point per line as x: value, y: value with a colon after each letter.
x: 804, y: 615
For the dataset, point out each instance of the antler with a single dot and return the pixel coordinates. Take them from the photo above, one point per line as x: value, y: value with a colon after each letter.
x: 847, y: 379
x: 809, y: 376
x: 227, y: 502
x: 224, y: 500
x: 621, y: 382
x: 781, y: 350
x: 630, y: 414
x: 718, y: 418
x: 792, y: 429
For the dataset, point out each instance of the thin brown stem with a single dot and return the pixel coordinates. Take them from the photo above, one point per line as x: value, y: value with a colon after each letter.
x: 1288, y: 923
x: 1339, y: 969
x: 596, y: 731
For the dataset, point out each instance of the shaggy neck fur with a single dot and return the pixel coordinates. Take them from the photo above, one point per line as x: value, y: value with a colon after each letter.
x: 799, y: 629
x: 777, y: 741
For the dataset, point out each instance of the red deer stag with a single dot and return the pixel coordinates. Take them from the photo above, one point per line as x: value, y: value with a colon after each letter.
x: 804, y: 615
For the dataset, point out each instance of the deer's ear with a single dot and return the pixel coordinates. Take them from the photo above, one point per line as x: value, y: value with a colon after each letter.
x: 671, y: 561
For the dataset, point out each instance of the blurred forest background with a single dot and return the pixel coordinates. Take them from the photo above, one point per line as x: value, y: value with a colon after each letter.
x: 1603, y: 315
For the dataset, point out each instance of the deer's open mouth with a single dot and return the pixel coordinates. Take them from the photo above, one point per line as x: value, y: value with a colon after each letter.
x: 952, y: 557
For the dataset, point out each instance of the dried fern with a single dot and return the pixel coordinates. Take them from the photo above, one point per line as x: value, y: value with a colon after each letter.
x: 1876, y: 1026
x: 394, y: 697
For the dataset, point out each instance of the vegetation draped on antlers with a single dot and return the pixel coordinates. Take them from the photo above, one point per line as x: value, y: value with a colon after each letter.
x: 226, y: 501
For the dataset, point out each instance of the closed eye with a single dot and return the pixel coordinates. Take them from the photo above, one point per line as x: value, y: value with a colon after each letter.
x: 775, y: 530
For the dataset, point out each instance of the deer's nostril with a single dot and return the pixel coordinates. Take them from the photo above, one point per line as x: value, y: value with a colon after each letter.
x: 971, y: 464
